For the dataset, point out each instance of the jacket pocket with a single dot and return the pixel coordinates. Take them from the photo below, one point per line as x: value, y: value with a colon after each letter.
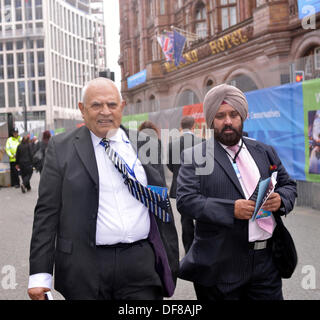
x: 64, y: 245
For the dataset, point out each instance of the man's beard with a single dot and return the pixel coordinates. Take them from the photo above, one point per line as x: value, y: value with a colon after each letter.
x: 228, y: 139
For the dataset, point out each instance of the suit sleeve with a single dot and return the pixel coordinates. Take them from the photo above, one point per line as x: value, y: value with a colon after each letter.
x: 286, y: 187
x: 46, y: 215
x: 191, y: 201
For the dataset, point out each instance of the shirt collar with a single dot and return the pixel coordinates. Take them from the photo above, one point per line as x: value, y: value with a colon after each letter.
x: 239, y: 144
x: 187, y: 131
x: 119, y: 136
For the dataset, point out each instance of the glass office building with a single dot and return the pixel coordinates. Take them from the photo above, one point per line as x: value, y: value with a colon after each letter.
x: 48, y: 51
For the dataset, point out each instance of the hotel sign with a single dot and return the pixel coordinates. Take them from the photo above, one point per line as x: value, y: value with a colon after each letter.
x: 214, y: 47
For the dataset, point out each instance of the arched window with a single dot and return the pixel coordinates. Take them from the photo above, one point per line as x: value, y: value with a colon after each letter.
x: 201, y: 20
x: 153, y: 104
x: 244, y: 83
x: 138, y: 106
x: 187, y: 97
x: 310, y: 63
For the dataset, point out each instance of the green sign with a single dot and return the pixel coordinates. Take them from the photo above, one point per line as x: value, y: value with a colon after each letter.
x: 133, y: 121
x: 311, y: 105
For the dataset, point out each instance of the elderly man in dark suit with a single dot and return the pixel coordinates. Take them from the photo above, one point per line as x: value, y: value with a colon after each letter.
x: 231, y: 256
x: 103, y: 242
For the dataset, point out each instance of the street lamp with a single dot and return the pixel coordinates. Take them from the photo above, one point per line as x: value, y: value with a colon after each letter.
x: 24, y: 105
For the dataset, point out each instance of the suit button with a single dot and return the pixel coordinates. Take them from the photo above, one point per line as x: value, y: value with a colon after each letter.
x: 94, y: 216
x: 91, y: 244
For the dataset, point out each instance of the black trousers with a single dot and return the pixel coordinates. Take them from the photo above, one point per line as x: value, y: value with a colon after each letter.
x: 14, y: 175
x: 127, y: 272
x: 26, y: 174
x: 262, y: 282
x: 187, y: 226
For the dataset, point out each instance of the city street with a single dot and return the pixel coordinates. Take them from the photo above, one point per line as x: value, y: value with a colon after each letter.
x: 16, y: 216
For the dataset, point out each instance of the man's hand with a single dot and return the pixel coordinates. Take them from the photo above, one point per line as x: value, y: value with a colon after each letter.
x: 37, y: 293
x: 273, y: 204
x: 243, y: 209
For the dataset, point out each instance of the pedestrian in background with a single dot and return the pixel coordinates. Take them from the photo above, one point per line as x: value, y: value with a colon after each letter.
x: 42, y: 149
x: 11, y: 150
x: 151, y: 130
x: 34, y: 144
x: 24, y: 163
x: 187, y: 140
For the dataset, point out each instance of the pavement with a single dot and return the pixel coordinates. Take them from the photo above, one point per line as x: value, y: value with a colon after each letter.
x: 16, y: 217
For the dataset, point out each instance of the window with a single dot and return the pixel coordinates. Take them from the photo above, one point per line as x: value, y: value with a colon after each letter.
x: 19, y: 45
x: 162, y: 6
x: 150, y: 8
x: 11, y: 94
x: 201, y: 21
x: 30, y: 64
x: 32, y: 92
x: 9, y: 46
x: 308, y: 66
x: 10, y: 66
x: 18, y: 10
x: 2, y: 96
x: 228, y: 13
x: 188, y: 97
x: 1, y: 67
x: 209, y: 85
x: 38, y: 9
x: 21, y: 93
x: 41, y: 68
x: 20, y: 64
x: 28, y: 10
x: 29, y: 44
x: 40, y: 43
x: 42, y: 92
x: 153, y: 104
x: 138, y: 106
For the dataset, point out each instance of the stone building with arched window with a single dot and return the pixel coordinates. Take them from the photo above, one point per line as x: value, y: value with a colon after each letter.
x: 251, y: 44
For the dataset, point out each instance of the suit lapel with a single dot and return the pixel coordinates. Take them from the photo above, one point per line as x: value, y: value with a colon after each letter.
x: 84, y: 147
x: 258, y: 155
x: 222, y: 158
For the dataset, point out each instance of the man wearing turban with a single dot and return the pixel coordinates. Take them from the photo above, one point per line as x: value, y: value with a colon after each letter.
x: 231, y: 255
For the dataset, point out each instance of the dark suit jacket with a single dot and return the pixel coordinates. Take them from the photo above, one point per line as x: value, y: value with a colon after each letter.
x: 219, y: 253
x: 64, y: 228
x: 187, y: 140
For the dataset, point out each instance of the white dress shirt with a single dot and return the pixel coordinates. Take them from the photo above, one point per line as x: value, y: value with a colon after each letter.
x: 255, y: 232
x: 121, y: 217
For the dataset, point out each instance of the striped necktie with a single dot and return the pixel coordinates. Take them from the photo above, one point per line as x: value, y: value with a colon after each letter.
x: 157, y: 204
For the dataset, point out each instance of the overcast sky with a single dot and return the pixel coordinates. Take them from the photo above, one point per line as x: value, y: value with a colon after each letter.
x: 113, y: 40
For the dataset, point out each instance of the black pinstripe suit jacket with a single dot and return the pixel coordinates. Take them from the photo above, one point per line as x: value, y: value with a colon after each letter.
x: 219, y: 253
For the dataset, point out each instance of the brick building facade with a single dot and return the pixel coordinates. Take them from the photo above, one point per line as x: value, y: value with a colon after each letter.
x: 251, y: 44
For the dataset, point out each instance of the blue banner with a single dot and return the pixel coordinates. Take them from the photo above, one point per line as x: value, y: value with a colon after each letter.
x: 179, y: 42
x: 308, y: 7
x: 137, y: 79
x: 276, y: 117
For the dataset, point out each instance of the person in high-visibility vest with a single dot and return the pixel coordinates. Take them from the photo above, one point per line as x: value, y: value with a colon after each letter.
x: 11, y: 150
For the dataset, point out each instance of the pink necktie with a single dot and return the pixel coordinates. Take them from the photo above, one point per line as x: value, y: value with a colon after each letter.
x: 250, y: 181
